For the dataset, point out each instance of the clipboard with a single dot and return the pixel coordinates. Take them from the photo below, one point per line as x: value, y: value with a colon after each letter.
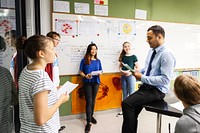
x: 128, y: 67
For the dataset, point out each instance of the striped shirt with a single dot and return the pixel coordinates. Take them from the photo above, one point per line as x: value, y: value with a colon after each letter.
x: 30, y: 83
x: 7, y: 94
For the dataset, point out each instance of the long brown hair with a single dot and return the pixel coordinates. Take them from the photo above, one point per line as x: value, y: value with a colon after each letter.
x: 88, y: 53
x: 187, y: 89
x: 123, y: 52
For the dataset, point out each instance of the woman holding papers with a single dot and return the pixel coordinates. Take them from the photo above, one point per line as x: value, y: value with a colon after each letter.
x: 38, y: 100
x: 127, y: 60
x: 187, y: 89
x: 90, y: 69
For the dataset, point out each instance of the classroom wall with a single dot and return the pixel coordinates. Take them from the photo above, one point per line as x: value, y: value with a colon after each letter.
x: 181, y: 11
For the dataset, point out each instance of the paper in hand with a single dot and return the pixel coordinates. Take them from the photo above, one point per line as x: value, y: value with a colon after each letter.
x: 96, y: 72
x: 67, y: 88
x: 128, y: 67
x: 178, y: 105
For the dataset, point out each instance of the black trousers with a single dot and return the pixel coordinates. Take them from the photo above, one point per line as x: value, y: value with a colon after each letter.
x: 90, y: 90
x: 132, y: 106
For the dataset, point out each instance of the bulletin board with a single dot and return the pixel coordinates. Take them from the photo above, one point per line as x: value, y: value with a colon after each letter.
x: 78, y: 31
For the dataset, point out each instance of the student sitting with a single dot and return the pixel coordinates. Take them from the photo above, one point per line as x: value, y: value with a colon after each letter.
x: 187, y: 89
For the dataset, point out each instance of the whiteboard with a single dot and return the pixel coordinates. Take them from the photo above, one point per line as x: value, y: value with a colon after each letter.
x: 78, y: 31
x: 182, y: 39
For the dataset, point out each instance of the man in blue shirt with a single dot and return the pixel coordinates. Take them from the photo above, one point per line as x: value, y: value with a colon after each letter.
x: 155, y: 76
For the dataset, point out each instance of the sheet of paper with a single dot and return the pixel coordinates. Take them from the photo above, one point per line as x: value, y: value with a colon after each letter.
x: 178, y: 105
x: 68, y: 87
x: 128, y: 67
x: 96, y: 73
x: 61, y: 6
x: 81, y: 8
x: 101, y: 10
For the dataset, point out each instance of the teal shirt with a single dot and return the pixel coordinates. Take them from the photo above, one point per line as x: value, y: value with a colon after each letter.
x: 130, y: 60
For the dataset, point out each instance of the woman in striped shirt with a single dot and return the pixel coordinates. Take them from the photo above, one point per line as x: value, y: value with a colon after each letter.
x: 38, y: 100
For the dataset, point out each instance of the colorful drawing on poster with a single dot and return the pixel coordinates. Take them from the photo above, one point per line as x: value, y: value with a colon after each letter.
x: 101, y: 2
x: 7, y: 20
x: 109, y: 94
x: 5, y: 25
x: 127, y: 27
x: 102, y: 93
x: 66, y: 27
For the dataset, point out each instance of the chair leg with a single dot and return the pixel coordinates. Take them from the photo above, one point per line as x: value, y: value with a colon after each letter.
x: 159, y: 121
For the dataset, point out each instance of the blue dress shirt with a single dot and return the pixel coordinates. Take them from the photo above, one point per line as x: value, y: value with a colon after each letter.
x: 162, y: 69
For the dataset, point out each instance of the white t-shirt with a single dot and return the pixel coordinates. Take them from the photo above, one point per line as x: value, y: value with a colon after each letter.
x: 30, y: 83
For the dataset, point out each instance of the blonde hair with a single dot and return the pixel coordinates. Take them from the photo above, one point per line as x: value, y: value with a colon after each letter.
x: 187, y: 89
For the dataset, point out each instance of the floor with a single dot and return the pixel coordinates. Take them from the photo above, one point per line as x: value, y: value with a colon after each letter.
x: 108, y: 122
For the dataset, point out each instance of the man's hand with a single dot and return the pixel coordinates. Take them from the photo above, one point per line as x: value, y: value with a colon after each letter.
x: 138, y: 75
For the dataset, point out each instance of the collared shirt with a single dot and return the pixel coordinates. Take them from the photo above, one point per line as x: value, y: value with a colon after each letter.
x: 162, y: 69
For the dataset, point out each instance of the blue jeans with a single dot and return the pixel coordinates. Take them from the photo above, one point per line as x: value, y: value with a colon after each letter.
x: 90, y: 90
x: 128, y: 85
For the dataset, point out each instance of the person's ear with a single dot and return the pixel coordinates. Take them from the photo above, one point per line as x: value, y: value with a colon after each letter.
x: 41, y: 54
x: 159, y: 36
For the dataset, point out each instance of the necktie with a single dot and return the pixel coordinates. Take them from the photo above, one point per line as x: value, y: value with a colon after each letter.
x: 149, y: 67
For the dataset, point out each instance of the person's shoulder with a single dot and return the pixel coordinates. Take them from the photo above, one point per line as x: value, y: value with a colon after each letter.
x: 182, y: 124
x: 83, y: 59
x: 98, y: 60
x: 134, y: 56
x: 165, y: 51
x: 4, y: 71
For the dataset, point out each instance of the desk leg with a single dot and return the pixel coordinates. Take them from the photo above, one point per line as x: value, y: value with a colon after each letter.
x: 159, y: 120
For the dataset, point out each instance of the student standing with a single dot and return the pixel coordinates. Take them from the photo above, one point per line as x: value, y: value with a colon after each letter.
x: 15, y: 72
x: 187, y: 89
x: 127, y: 79
x: 8, y: 96
x: 90, y: 63
x: 52, y: 68
x: 38, y: 100
x: 155, y: 77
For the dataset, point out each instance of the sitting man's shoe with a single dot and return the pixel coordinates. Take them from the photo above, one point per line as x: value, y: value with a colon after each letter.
x: 94, y: 121
x: 120, y: 113
x: 87, y: 128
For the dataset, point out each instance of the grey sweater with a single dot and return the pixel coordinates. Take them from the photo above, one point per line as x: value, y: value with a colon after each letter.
x: 8, y: 97
x: 190, y: 121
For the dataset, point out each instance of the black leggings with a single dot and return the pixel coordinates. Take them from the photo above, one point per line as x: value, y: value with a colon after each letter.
x: 90, y: 90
